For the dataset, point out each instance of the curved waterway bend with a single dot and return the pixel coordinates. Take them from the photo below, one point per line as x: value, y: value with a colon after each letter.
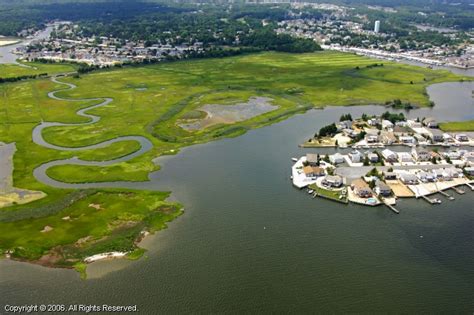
x: 40, y: 172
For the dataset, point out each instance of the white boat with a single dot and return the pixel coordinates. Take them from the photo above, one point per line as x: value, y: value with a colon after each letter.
x: 294, y: 159
x: 310, y: 191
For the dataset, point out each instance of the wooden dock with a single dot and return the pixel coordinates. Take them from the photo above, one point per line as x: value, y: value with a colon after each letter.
x: 445, y: 194
x: 458, y: 190
x: 392, y: 208
x: 470, y: 186
x: 431, y: 201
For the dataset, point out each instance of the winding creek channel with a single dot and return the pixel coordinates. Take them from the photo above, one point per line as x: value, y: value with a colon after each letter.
x: 40, y: 172
x: 250, y: 242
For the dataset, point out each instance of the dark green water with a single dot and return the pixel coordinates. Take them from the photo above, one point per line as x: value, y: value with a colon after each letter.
x: 250, y: 242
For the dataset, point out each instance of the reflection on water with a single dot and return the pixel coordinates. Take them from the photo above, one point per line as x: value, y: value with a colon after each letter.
x: 250, y: 242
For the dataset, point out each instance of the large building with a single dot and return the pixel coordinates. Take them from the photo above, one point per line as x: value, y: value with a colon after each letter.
x: 377, y: 26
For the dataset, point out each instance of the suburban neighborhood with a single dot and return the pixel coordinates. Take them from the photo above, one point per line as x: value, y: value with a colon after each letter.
x: 378, y: 159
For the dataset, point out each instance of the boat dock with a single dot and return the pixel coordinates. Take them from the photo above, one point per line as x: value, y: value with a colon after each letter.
x: 470, y: 186
x: 458, y: 190
x: 445, y: 194
x: 431, y: 201
x: 392, y: 208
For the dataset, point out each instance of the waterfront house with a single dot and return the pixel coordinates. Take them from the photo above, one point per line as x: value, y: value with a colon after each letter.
x: 389, y: 175
x: 468, y: 157
x: 407, y: 140
x: 312, y: 159
x: 400, y: 131
x: 313, y: 171
x: 453, y: 155
x: 389, y: 155
x: 436, y: 135
x: 426, y: 177
x: 455, y: 172
x: 414, y: 124
x: 430, y: 122
x: 469, y: 171
x: 361, y: 188
x: 461, y: 137
x: 373, y: 121
x: 355, y: 156
x: 408, y: 179
x: 346, y: 124
x: 336, y: 158
x: 373, y: 157
x: 420, y: 155
x: 387, y: 124
x: 387, y: 137
x: 404, y: 157
x: 382, y: 189
x: 334, y: 181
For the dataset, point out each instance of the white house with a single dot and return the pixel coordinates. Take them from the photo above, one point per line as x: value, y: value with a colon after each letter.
x: 387, y: 124
x: 389, y: 155
x: 336, y: 158
x: 420, y: 155
x: 461, y: 137
x: 355, y: 156
x: 404, y: 157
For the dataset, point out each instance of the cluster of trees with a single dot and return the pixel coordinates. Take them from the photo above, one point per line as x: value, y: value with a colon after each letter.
x: 397, y: 103
x: 329, y: 130
x: 345, y: 117
x: 267, y: 39
x: 22, y: 77
x: 393, y: 117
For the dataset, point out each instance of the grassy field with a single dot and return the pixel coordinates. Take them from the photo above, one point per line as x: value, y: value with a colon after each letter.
x: 149, y: 101
x: 458, y: 126
x: 12, y: 70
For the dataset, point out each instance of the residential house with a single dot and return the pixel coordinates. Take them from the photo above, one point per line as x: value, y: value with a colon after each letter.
x: 469, y: 171
x: 373, y: 121
x: 408, y: 179
x: 389, y: 175
x: 387, y: 124
x: 430, y: 122
x: 334, y: 181
x: 461, y: 137
x: 426, y: 177
x: 420, y: 155
x: 404, y: 157
x: 336, y: 158
x: 389, y: 155
x: 313, y: 171
x: 312, y: 159
x: 436, y: 135
x: 361, y: 188
x: 414, y: 124
x: 387, y: 137
x: 382, y: 189
x: 469, y: 157
x: 407, y: 140
x: 355, y: 156
x: 401, y: 131
x: 373, y: 157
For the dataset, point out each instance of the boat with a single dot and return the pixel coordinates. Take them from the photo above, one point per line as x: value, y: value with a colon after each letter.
x: 310, y: 191
x: 294, y: 159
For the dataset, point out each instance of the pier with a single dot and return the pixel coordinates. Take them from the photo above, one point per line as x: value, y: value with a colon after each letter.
x: 470, y: 186
x: 392, y: 208
x: 431, y: 201
x: 458, y: 190
x: 446, y: 195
